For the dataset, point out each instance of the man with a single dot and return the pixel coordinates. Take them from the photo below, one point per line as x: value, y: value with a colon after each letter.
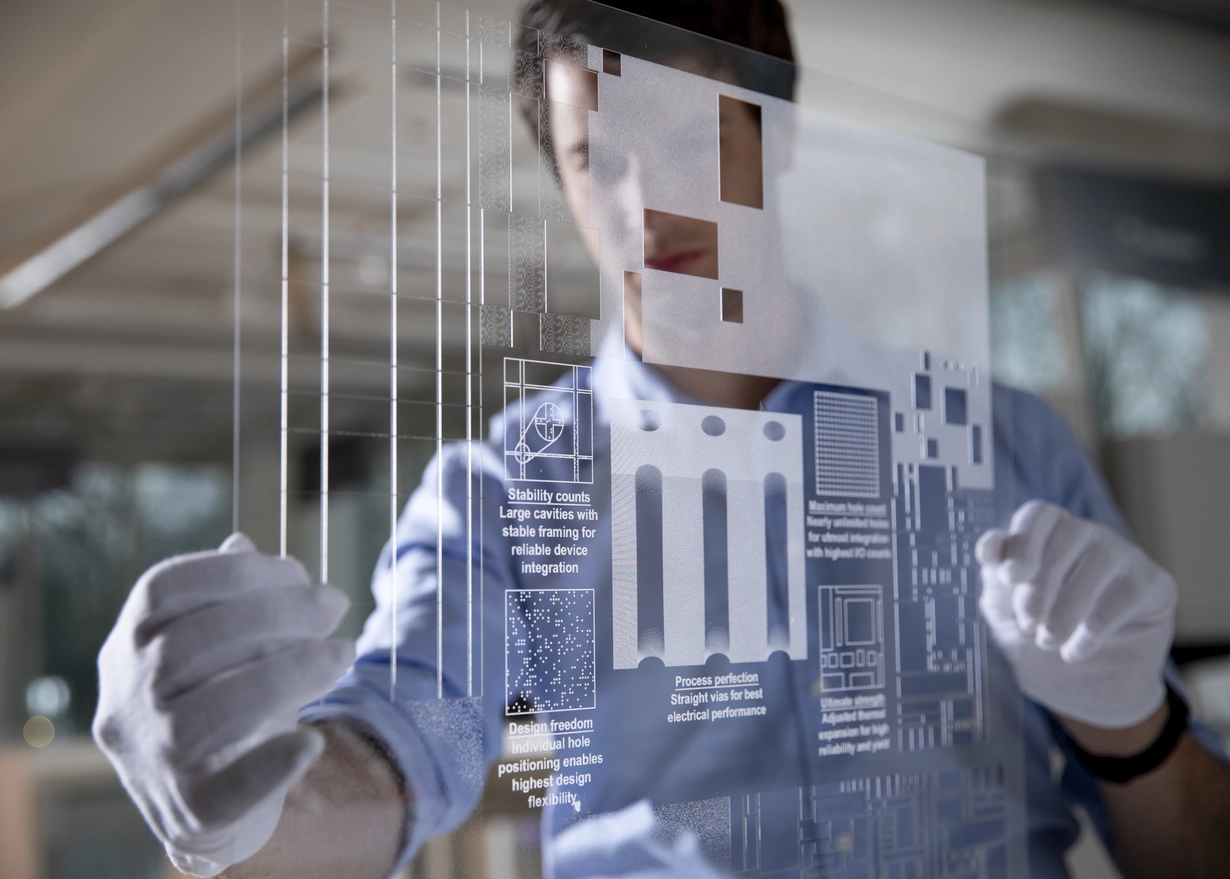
x: 203, y: 677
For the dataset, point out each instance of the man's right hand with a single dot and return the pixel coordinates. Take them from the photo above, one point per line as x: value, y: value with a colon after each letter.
x: 200, y: 684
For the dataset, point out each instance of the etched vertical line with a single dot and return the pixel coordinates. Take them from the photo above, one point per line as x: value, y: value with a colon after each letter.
x: 482, y: 286
x: 576, y: 434
x: 439, y: 382
x: 469, y: 394
x: 393, y: 268
x: 285, y: 340
x: 324, y: 298
x: 237, y: 303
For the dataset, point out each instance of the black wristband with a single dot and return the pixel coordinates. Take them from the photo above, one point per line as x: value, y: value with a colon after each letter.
x: 1121, y: 770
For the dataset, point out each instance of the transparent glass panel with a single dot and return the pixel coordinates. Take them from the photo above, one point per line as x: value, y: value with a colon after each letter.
x: 651, y: 377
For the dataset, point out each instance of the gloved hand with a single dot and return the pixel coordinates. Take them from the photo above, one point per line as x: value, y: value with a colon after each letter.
x: 1085, y: 618
x: 200, y: 683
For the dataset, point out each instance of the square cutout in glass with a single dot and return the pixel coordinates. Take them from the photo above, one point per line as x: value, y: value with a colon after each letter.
x: 732, y: 305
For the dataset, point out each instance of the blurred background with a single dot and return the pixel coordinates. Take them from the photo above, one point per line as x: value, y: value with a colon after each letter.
x: 1106, y: 126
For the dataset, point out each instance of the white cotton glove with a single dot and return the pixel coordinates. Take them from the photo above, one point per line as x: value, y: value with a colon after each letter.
x: 200, y: 684
x: 1085, y: 618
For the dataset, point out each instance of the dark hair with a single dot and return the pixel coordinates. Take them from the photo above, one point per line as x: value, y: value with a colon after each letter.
x: 568, y: 25
x: 759, y: 25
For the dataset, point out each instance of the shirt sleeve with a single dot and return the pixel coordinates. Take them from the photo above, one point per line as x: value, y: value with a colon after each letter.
x: 415, y: 683
x: 1045, y: 461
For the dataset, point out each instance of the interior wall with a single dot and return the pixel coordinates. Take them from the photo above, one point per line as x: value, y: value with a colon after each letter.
x: 1217, y: 382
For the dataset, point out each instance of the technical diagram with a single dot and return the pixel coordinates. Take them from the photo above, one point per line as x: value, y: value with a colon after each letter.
x: 549, y: 650
x: 895, y: 574
x: 940, y: 655
x: 939, y: 824
x: 851, y: 638
x: 548, y: 433
x: 707, y: 506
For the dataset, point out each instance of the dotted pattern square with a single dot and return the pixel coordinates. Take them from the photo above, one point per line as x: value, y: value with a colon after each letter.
x: 549, y: 650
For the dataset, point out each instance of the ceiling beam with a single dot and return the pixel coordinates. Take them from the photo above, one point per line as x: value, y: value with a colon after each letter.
x: 213, y: 145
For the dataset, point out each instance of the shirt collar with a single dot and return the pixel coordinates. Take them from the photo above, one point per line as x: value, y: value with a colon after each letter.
x: 621, y: 374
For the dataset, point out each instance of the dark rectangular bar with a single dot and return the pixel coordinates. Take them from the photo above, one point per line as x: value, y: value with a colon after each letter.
x: 717, y: 591
x: 650, y: 614
x: 775, y: 531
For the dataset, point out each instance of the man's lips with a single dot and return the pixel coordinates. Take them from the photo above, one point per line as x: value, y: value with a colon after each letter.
x: 678, y: 261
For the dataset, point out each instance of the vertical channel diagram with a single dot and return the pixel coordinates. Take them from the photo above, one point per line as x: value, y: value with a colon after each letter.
x: 707, y: 509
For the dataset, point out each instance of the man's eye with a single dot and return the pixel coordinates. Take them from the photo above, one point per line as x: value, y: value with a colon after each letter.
x: 610, y: 171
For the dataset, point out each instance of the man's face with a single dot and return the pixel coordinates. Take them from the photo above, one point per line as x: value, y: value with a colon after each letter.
x: 671, y: 242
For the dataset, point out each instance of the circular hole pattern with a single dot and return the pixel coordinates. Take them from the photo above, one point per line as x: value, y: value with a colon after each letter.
x: 713, y: 426
x: 774, y: 430
x: 650, y: 420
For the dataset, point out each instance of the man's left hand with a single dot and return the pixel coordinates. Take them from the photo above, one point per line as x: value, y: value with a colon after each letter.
x: 1085, y: 617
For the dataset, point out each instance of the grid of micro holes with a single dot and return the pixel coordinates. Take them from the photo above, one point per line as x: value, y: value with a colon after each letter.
x: 847, y: 445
